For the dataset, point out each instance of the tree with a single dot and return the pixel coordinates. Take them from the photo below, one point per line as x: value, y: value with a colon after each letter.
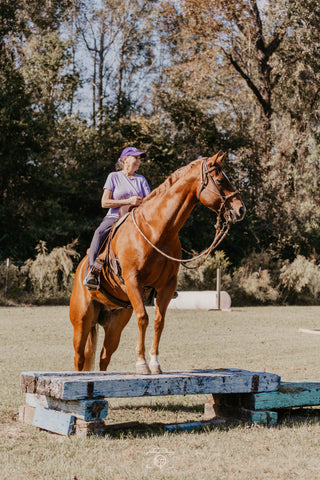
x: 33, y: 85
x: 120, y: 41
x: 232, y: 57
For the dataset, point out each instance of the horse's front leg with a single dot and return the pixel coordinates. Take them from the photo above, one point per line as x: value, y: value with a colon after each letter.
x: 162, y: 301
x: 135, y: 296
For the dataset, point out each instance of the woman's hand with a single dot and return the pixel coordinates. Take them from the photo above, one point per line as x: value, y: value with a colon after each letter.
x: 108, y: 202
x: 135, y: 201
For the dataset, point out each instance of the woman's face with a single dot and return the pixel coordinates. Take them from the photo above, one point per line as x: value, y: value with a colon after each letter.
x: 132, y: 163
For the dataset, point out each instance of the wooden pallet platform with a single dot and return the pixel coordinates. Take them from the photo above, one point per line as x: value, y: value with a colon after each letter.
x: 89, y: 385
x: 75, y: 402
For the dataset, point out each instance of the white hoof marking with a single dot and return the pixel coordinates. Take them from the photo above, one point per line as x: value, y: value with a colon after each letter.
x: 154, y: 365
x: 142, y: 369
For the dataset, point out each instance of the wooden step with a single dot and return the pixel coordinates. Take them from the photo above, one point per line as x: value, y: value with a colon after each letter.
x: 90, y: 385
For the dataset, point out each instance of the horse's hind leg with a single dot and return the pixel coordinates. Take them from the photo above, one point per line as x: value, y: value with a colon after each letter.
x: 84, y: 336
x: 116, y: 321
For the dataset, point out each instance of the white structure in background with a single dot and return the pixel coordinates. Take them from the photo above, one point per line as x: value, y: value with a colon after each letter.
x: 204, y: 300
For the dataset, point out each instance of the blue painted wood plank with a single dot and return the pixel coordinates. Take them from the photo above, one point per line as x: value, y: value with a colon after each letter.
x: 86, y: 386
x: 85, y: 409
x: 189, y: 426
x: 290, y: 394
x: 53, y: 421
x: 260, y: 417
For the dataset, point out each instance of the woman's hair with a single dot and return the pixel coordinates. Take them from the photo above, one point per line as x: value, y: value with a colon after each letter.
x: 119, y: 164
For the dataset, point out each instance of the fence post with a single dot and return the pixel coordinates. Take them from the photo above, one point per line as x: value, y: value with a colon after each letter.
x: 218, y: 288
x: 6, y: 280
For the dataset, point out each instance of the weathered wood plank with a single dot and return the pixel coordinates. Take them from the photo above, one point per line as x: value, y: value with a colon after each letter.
x: 29, y: 380
x: 189, y: 426
x: 229, y: 407
x: 54, y: 421
x: 85, y: 429
x: 260, y: 417
x: 90, y: 386
x: 26, y: 414
x: 290, y: 394
x: 85, y: 409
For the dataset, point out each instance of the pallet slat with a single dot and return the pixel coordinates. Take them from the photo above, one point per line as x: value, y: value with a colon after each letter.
x: 90, y: 386
x: 290, y: 394
x: 54, y: 421
x: 189, y: 426
x: 84, y: 409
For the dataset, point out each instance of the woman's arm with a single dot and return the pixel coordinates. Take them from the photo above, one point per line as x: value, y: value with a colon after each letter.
x: 108, y: 202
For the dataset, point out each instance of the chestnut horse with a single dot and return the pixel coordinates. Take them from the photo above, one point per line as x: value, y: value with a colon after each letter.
x: 147, y: 248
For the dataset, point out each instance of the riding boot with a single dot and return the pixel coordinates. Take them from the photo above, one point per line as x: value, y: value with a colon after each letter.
x: 92, y: 279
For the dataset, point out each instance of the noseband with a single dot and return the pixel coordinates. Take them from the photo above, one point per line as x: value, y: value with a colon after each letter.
x: 206, y: 178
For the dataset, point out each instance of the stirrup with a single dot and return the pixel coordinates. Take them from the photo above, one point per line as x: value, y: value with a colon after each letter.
x: 95, y: 284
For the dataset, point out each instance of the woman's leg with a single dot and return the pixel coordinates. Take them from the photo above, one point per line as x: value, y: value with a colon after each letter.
x: 98, y: 238
x: 92, y: 279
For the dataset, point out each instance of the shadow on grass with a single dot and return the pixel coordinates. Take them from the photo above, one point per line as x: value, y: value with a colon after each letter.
x: 148, y: 430
x: 162, y: 407
x: 289, y: 418
x: 298, y: 416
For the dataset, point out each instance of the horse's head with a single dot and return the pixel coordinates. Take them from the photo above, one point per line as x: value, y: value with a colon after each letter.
x: 216, y: 191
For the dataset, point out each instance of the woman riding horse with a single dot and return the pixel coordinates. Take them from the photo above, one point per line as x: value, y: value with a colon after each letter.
x: 147, y: 248
x: 121, y: 188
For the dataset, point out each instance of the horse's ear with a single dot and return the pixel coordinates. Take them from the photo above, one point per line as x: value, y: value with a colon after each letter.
x: 215, y: 157
x: 221, y: 158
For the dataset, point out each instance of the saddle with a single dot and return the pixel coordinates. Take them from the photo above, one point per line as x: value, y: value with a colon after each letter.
x: 106, y: 253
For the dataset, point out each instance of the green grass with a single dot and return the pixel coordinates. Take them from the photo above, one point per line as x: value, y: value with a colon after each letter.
x: 260, y: 339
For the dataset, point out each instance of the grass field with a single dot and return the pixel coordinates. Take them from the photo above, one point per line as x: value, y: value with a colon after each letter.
x: 260, y: 339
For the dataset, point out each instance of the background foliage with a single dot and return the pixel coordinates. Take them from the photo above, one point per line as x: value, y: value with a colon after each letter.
x: 80, y: 80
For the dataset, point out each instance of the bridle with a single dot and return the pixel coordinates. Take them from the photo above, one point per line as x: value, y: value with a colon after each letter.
x: 206, y: 177
x: 221, y: 232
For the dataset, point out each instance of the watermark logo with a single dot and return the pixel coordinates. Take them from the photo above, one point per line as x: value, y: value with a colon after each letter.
x: 160, y: 458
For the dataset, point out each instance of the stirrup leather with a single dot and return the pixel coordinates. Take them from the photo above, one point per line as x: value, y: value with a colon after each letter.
x: 97, y: 266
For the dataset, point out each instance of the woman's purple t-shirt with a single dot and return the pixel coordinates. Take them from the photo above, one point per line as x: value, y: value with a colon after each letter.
x: 122, y: 187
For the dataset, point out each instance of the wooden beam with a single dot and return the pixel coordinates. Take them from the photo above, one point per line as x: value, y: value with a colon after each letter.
x: 290, y: 394
x: 93, y: 385
x: 189, y: 426
x: 85, y: 409
x: 232, y: 407
x: 54, y: 421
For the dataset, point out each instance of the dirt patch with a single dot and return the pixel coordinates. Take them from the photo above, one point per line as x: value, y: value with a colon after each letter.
x: 13, y: 432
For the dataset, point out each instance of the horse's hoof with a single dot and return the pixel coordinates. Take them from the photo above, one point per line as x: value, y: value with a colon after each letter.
x: 155, y: 369
x: 142, y: 369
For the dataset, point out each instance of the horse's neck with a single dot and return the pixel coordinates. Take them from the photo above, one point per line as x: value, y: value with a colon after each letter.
x: 167, y: 212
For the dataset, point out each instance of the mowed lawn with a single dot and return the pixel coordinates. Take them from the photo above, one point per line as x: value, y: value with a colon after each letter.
x: 259, y: 339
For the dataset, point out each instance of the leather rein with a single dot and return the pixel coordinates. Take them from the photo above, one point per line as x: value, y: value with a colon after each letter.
x: 221, y: 232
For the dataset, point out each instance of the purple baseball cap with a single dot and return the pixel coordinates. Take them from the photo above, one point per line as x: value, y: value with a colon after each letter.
x: 131, y: 151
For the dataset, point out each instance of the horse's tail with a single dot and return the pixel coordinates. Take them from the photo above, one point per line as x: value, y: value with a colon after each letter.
x: 90, y: 348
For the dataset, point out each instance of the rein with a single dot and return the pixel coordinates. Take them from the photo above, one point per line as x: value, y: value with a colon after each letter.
x: 221, y: 232
x: 219, y: 236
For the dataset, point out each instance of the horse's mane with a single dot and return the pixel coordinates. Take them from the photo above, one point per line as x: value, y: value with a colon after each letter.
x: 164, y: 186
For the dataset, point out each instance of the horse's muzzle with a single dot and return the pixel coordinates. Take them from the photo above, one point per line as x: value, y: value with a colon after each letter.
x: 235, y: 214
